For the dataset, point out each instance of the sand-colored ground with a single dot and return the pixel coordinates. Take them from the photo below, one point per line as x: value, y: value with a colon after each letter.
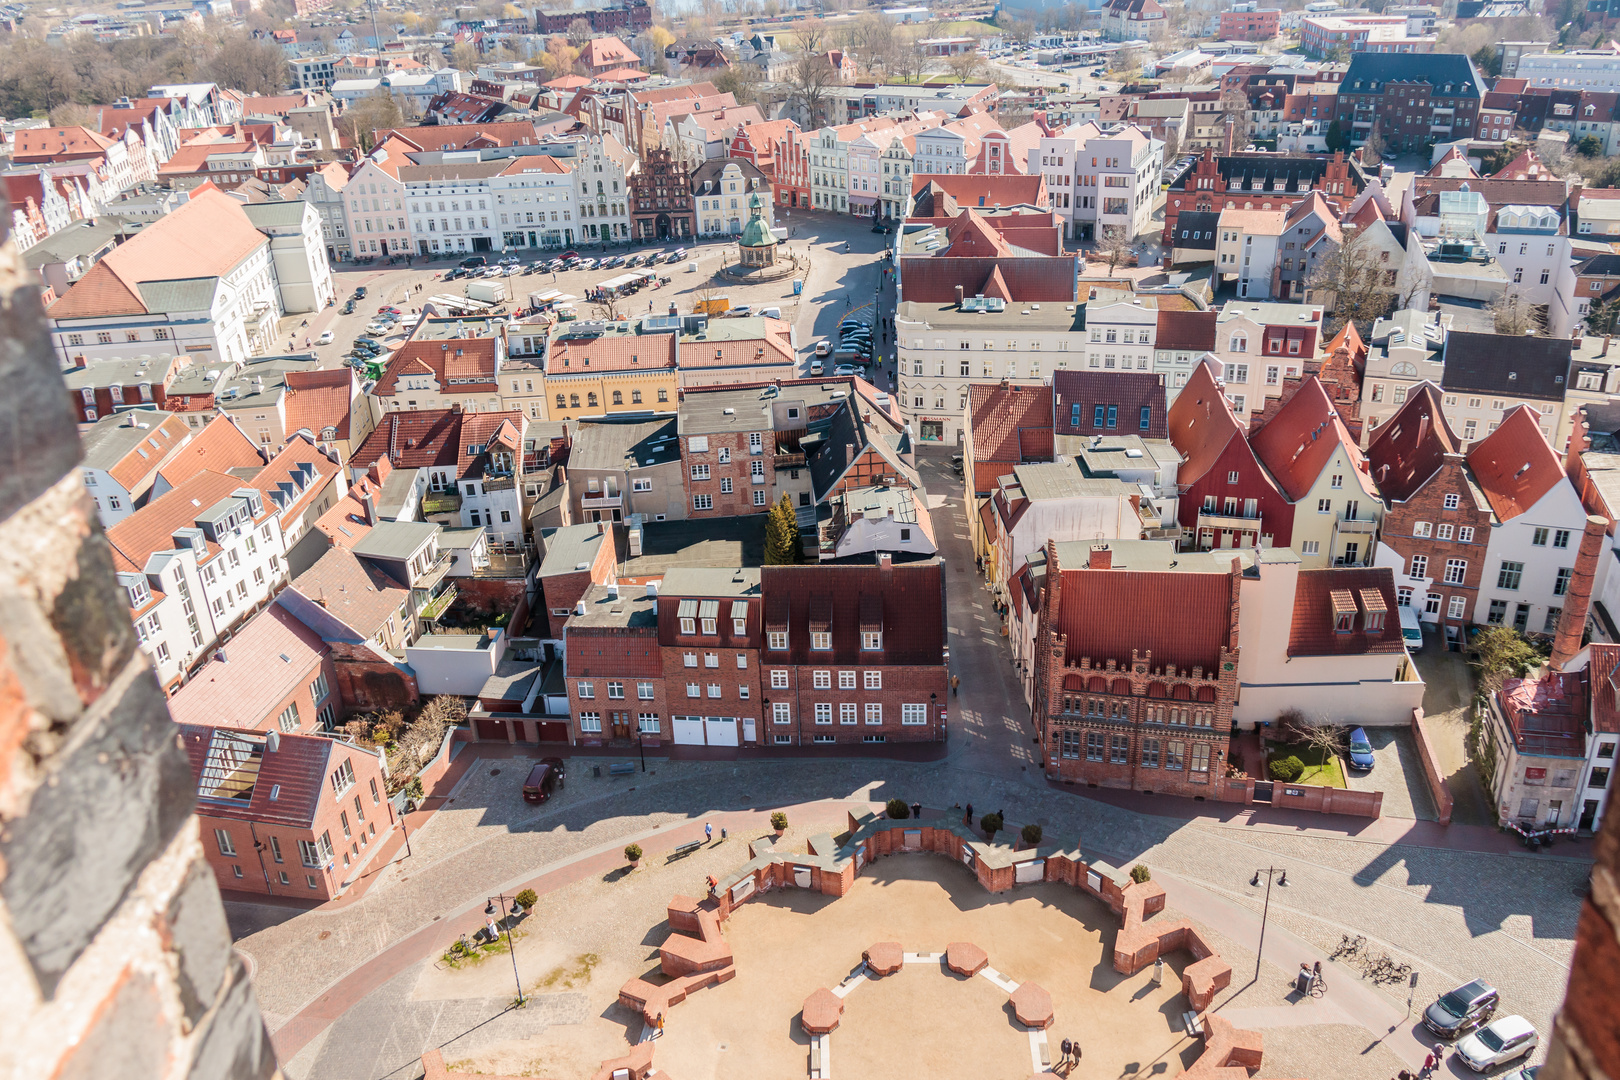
x: 923, y: 1021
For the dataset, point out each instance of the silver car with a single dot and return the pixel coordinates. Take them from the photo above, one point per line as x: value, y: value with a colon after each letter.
x: 1504, y: 1039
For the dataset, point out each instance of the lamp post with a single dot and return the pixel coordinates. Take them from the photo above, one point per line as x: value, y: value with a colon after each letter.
x: 1282, y: 880
x: 642, y: 746
x: 490, y: 909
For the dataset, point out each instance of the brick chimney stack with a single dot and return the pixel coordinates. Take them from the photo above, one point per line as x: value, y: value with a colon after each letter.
x: 1579, y: 597
x: 1101, y: 557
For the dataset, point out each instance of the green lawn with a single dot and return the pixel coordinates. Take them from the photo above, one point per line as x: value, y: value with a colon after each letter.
x: 1321, y: 770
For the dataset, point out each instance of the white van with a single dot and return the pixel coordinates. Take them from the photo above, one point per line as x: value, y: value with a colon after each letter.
x: 771, y: 312
x: 1411, y: 629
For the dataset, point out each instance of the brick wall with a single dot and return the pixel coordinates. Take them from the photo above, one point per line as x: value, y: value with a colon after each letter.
x: 368, y: 683
x: 1427, y: 508
x: 739, y: 500
x: 616, y: 654
x: 897, y: 686
x: 117, y: 958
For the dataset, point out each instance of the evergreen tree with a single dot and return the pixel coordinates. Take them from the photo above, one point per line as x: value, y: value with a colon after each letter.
x: 782, y: 535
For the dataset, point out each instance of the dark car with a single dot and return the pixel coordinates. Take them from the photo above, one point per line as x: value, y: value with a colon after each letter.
x: 360, y: 292
x: 544, y: 778
x: 348, y: 307
x: 1462, y: 1010
x: 474, y: 260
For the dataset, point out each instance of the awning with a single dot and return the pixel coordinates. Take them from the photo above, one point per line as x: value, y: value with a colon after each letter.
x: 709, y: 609
x: 739, y: 609
x: 687, y: 610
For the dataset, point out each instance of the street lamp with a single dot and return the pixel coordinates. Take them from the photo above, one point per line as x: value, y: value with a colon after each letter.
x: 1282, y: 880
x: 490, y: 909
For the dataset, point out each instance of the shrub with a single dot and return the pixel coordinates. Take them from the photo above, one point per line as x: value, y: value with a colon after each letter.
x: 1140, y: 873
x: 526, y: 898
x: 898, y: 810
x: 633, y: 853
x: 991, y: 823
x: 1031, y: 833
x: 1287, y: 769
x: 779, y: 821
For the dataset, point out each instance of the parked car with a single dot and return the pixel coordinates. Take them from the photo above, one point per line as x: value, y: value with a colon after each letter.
x: 1361, y: 756
x: 510, y: 260
x: 474, y: 260
x: 1504, y: 1039
x: 1462, y: 1010
x: 844, y: 369
x: 1523, y: 1072
x: 452, y: 273
x: 544, y: 778
x: 956, y: 464
x: 570, y: 254
x: 325, y: 338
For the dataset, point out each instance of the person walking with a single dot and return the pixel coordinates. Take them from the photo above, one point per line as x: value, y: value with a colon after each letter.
x: 708, y: 832
x: 1430, y: 1063
x: 916, y: 810
x: 956, y: 682
x: 967, y: 818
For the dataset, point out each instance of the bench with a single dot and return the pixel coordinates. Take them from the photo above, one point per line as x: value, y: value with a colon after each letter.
x: 1189, y: 1021
x: 815, y: 1057
x: 686, y: 849
x: 1046, y: 1053
x: 622, y: 768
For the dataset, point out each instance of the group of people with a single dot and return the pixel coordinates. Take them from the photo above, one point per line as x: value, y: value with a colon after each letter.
x: 1070, y: 1058
x: 1431, y: 1065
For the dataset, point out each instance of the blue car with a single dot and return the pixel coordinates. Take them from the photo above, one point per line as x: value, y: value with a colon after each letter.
x: 1360, y: 750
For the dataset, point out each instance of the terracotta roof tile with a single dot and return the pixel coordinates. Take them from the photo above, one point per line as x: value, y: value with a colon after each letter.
x: 1108, y: 614
x: 351, y: 590
x: 1514, y: 465
x: 1409, y: 448
x: 268, y: 660
x: 151, y: 528
x: 219, y: 447
x: 1202, y: 425
x: 909, y: 596
x: 1192, y: 331
x: 448, y: 359
x: 320, y: 399
x: 1129, y: 392
x: 1605, y: 697
x: 31, y: 145
x: 999, y: 416
x: 1296, y: 443
x: 1313, y: 631
x: 613, y: 352
x: 295, y: 772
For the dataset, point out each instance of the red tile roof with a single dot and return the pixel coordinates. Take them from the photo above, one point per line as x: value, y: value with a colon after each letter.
x: 1108, y: 614
x: 910, y: 597
x: 353, y: 591
x: 345, y: 523
x: 133, y: 467
x: 1296, y: 443
x: 612, y: 352
x: 32, y: 145
x: 998, y: 190
x: 435, y: 438
x: 999, y: 416
x: 458, y: 136
x: 295, y: 772
x: 1409, y: 447
x: 1313, y: 630
x: 1514, y: 465
x: 269, y: 659
x: 1202, y: 425
x: 1605, y: 697
x: 1128, y: 391
x: 151, y: 528
x: 446, y: 360
x: 320, y: 399
x: 1193, y: 331
x: 219, y: 447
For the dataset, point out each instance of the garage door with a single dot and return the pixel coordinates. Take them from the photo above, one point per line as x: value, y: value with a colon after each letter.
x: 687, y: 730
x: 1027, y: 872
x: 491, y: 729
x: 722, y: 730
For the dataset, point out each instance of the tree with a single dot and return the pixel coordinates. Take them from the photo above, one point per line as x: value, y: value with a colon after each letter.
x: 741, y: 80
x: 579, y: 32
x: 1126, y: 62
x: 810, y: 81
x: 782, y: 546
x: 1235, y: 113
x: 464, y: 56
x: 1172, y: 143
x: 1350, y: 281
x: 1512, y: 314
x: 1589, y: 146
x: 1488, y: 59
x: 559, y: 57
x: 428, y: 56
x: 1601, y: 317
x: 1334, y: 137
x: 375, y: 112
x: 1114, y: 244
x: 1372, y: 148
x: 1503, y: 654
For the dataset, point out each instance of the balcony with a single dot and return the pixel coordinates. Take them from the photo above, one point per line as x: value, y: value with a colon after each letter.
x: 789, y: 460
x: 1231, y: 522
x: 601, y: 502
x: 1354, y: 525
x: 441, y: 502
x: 437, y: 605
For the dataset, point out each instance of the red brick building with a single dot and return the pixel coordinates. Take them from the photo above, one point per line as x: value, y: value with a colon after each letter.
x: 1250, y: 24
x: 615, y: 665
x: 855, y: 654
x: 572, y: 559
x: 1228, y: 498
x: 709, y: 633
x: 1261, y: 181
x: 1435, y: 517
x: 277, y: 675
x: 661, y: 203
x: 1126, y: 696
x: 287, y: 815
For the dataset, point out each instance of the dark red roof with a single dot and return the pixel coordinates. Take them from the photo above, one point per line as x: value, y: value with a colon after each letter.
x: 1202, y: 424
x: 1128, y: 391
x: 1108, y: 614
x: 1193, y: 331
x: 1313, y: 632
x: 1028, y: 279
x: 294, y: 774
x: 1605, y: 698
x: 1005, y: 420
x: 1296, y: 443
x: 1410, y: 447
x: 910, y: 597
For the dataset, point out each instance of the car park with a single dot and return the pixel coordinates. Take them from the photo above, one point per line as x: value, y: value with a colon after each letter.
x: 1504, y: 1039
x: 325, y: 338
x: 1462, y: 1010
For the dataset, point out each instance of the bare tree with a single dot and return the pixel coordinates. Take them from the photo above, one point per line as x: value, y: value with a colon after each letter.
x: 1125, y: 62
x: 464, y: 56
x: 741, y: 80
x: 1372, y: 148
x: 964, y: 66
x: 1350, y: 281
x: 579, y: 32
x: 1513, y: 314
x: 1235, y: 112
x: 810, y: 82
x: 377, y: 111
x: 1114, y: 245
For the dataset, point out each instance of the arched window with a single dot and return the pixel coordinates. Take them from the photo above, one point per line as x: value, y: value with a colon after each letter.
x: 635, y: 397
x: 573, y: 401
x: 560, y: 402
x: 590, y: 400
x: 618, y: 398
x: 1239, y: 343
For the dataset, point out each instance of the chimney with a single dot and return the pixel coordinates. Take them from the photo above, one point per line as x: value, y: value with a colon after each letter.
x: 370, y: 504
x: 959, y: 296
x: 1579, y: 598
x: 885, y: 561
x: 1100, y: 557
x: 272, y: 741
x: 849, y: 451
x: 600, y: 528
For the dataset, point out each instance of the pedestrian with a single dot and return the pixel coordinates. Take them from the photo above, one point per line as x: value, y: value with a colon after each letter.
x: 916, y: 810
x: 1066, y: 1049
x: 956, y: 682
x: 1430, y: 1063
x: 969, y: 819
x: 708, y: 832
x: 1439, y: 1056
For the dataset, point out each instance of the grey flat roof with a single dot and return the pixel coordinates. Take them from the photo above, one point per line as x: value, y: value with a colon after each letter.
x: 395, y: 490
x: 631, y: 608
x: 458, y: 642
x: 512, y: 679
x: 1161, y: 555
x: 1055, y: 315
x: 110, y: 439
x: 624, y: 444
x: 711, y: 581
x: 567, y: 546
x: 396, y: 540
x: 724, y: 542
x: 1114, y: 452
x: 1051, y: 480
x: 707, y: 412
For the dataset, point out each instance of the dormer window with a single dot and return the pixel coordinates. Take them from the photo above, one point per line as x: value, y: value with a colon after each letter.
x: 872, y: 640
x: 821, y: 639
x: 139, y: 594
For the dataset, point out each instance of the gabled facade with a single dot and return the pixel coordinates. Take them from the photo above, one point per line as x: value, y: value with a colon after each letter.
x: 1228, y: 498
